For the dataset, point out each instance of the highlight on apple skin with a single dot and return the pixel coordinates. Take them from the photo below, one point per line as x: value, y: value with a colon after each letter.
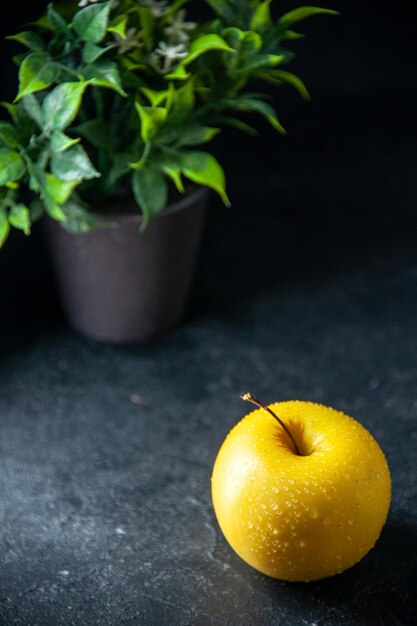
x: 307, y: 515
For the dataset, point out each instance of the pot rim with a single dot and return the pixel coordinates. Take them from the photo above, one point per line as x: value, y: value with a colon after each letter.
x: 197, y: 194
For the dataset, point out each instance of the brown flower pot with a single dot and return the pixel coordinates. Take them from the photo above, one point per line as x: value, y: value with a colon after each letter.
x: 120, y: 285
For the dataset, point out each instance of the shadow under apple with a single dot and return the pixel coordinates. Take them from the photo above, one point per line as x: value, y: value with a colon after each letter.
x: 381, y: 589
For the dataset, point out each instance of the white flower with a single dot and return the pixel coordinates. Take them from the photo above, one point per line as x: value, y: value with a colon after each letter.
x: 83, y: 3
x: 168, y: 54
x: 131, y: 41
x: 170, y: 51
x: 155, y: 62
x: 178, y: 27
x: 158, y: 8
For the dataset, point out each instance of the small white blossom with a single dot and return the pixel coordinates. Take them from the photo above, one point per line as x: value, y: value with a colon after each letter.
x: 178, y: 27
x: 170, y: 54
x: 131, y: 41
x: 83, y: 3
x: 158, y: 8
x: 155, y: 62
x: 174, y: 52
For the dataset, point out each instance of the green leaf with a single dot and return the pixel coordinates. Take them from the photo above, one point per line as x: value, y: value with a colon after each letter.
x: 174, y: 173
x: 54, y: 210
x: 19, y: 217
x: 130, y: 65
x: 61, y: 105
x: 251, y: 105
x: 25, y: 127
x: 244, y: 42
x: 78, y: 220
x: 91, y: 23
x: 182, y: 102
x: 8, y: 135
x: 151, y: 119
x: 222, y: 8
x: 155, y: 97
x: 291, y: 35
x: 236, y: 123
x: 136, y: 165
x: 55, y: 193
x: 37, y: 210
x: 202, y: 168
x: 180, y: 73
x: 261, y: 17
x: 290, y: 18
x: 197, y: 135
x: 60, y: 142
x: 42, y: 24
x: 258, y: 61
x: 104, y: 73
x: 118, y: 26
x: 4, y: 227
x: 175, y: 6
x: 36, y: 72
x: 96, y: 132
x: 147, y: 23
x: 291, y: 79
x: 120, y: 166
x: 37, y: 179
x: 92, y: 52
x: 73, y: 164
x: 33, y: 109
x: 204, y: 44
x: 29, y: 39
x: 12, y: 166
x: 150, y: 190
x: 58, y: 23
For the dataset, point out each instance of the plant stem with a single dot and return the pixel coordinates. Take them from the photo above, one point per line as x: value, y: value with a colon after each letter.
x: 99, y: 104
x: 250, y: 398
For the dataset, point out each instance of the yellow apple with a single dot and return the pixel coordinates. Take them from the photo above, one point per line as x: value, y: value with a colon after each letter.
x: 301, y: 491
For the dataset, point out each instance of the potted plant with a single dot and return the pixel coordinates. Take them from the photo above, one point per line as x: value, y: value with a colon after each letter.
x: 115, y: 100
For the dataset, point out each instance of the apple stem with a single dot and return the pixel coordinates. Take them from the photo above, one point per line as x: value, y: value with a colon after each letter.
x: 250, y: 398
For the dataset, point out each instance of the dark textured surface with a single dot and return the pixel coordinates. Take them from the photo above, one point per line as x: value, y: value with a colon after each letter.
x: 106, y: 453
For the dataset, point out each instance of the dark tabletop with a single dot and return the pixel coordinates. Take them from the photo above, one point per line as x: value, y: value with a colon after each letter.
x: 306, y: 289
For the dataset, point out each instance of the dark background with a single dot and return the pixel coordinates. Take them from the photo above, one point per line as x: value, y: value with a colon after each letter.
x: 306, y: 289
x: 360, y: 70
x: 341, y: 183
